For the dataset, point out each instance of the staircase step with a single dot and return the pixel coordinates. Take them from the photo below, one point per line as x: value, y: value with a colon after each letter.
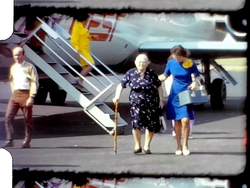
x: 53, y: 66
x: 98, y: 103
x: 51, y: 62
x: 84, y: 93
x: 63, y: 73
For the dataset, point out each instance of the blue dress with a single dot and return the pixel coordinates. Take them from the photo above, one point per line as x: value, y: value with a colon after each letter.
x: 182, y: 79
x: 144, y: 99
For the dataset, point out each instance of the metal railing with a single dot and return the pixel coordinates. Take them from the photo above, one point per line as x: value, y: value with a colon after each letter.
x: 53, y: 36
x: 67, y: 36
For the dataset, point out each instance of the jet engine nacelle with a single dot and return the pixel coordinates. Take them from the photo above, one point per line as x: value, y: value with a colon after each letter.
x: 236, y: 24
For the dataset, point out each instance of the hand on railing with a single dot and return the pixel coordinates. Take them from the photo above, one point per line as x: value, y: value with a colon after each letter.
x: 95, y: 37
x: 78, y: 52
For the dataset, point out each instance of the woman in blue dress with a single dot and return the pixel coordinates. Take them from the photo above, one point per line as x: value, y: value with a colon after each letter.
x: 146, y: 97
x: 181, y: 68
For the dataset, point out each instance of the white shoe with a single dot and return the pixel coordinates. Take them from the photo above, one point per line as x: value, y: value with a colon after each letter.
x: 186, y: 152
x: 178, y: 152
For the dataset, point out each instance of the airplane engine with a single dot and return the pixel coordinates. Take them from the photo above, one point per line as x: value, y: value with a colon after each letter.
x: 236, y: 24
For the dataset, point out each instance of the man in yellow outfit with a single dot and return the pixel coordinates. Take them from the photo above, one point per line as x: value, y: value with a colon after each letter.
x: 80, y: 41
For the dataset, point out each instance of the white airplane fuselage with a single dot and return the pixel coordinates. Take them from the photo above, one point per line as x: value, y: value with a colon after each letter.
x: 120, y: 35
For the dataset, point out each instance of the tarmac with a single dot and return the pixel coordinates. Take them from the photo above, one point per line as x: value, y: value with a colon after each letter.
x: 74, y: 142
x: 67, y: 140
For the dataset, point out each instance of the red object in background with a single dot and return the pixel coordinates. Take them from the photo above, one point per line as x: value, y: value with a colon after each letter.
x: 245, y: 139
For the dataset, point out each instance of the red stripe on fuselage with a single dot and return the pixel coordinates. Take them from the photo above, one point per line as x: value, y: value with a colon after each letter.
x: 104, y: 24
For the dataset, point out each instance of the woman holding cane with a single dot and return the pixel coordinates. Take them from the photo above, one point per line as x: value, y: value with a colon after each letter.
x: 146, y: 96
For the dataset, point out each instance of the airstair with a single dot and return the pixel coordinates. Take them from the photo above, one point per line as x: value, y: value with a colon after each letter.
x: 54, y: 62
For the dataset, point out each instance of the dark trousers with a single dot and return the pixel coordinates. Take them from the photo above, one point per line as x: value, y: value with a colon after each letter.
x: 18, y: 101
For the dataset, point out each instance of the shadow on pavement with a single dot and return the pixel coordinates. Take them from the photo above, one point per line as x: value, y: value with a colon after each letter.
x: 79, y: 124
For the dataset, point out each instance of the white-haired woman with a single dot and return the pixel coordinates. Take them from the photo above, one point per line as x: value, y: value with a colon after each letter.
x: 146, y: 97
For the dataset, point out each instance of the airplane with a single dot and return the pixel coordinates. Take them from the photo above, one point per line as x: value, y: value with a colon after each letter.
x: 132, y: 182
x: 121, y: 36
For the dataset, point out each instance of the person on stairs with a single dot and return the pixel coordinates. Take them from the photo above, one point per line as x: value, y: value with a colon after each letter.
x: 80, y: 41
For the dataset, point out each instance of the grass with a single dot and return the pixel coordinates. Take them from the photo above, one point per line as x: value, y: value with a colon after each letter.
x: 234, y: 64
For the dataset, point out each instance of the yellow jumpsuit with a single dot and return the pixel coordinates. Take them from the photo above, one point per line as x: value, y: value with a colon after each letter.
x: 80, y: 41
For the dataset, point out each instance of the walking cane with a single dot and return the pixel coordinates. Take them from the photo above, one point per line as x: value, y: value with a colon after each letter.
x: 115, y: 136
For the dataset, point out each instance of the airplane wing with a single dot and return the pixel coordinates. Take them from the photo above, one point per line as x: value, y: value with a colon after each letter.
x: 199, y: 50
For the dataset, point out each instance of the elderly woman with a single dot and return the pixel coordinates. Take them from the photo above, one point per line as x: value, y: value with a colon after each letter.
x: 181, y: 68
x: 146, y: 97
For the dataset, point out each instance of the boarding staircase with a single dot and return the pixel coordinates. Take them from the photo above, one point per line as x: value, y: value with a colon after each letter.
x: 54, y: 62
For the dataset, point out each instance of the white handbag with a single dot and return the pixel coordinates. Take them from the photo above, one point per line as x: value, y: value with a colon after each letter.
x: 168, y: 84
x: 163, y: 123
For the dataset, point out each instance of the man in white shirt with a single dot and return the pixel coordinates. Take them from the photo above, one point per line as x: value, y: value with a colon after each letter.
x: 24, y: 85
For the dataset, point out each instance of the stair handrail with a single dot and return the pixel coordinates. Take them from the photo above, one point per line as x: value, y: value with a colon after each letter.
x: 69, y: 36
x: 71, y: 47
x: 67, y: 63
x: 44, y: 65
x: 78, y: 63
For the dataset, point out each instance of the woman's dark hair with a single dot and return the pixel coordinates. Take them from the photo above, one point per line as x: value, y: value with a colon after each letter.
x: 179, y: 50
x: 80, y: 15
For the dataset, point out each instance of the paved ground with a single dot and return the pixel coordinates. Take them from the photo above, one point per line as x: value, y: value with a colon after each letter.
x: 67, y: 143
x: 66, y: 139
x: 74, y: 142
